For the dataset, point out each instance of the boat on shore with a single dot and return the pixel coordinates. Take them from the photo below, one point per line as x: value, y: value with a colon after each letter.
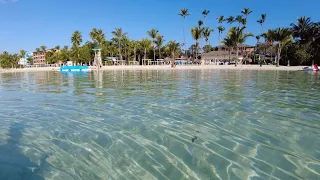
x: 72, y: 67
x: 311, y: 68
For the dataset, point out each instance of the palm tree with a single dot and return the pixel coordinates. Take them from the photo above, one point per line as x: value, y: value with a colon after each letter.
x: 237, y: 35
x: 200, y: 23
x: 97, y: 36
x: 43, y: 48
x: 228, y: 42
x: 301, y: 30
x: 220, y: 19
x: 262, y: 20
x: 112, y: 49
x: 93, y: 34
x: 205, y: 14
x: 65, y: 48
x: 196, y: 33
x: 76, y: 39
x: 282, y: 36
x: 13, y: 59
x: 145, y: 44
x: 38, y: 49
x: 134, y: 44
x: 239, y: 19
x: 173, y: 47
x: 119, y: 34
x: 269, y: 38
x: 220, y: 29
x: 153, y: 33
x: 206, y: 34
x: 100, y: 37
x: 246, y: 12
x: 230, y: 20
x: 192, y: 49
x: 244, y: 22
x: 258, y: 40
x: 126, y: 47
x: 159, y: 42
x: 184, y: 13
x: 22, y: 53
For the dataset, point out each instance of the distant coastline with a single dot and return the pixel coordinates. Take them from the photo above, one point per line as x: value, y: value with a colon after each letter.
x: 167, y: 67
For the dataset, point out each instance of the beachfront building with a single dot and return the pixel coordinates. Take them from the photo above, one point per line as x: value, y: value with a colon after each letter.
x: 39, y: 58
x: 24, y: 60
x: 222, y: 53
x: 242, y: 48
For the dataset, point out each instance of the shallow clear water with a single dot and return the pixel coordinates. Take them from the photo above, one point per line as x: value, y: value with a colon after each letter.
x: 179, y: 124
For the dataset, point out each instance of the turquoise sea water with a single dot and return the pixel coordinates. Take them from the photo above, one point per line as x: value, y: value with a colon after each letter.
x: 179, y: 124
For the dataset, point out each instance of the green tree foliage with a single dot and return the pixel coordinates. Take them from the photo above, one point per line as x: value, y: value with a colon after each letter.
x: 119, y: 35
x: 230, y: 20
x: 239, y: 19
x: 159, y: 42
x: 246, y: 12
x: 221, y: 19
x: 262, y: 20
x: 196, y: 33
x: 200, y: 23
x: 9, y: 60
x: 237, y: 36
x: 173, y: 48
x: 282, y: 36
x: 205, y: 13
x: 43, y: 48
x: 97, y: 36
x: 30, y: 60
x: 76, y: 39
x: 206, y: 34
x: 145, y: 45
x: 208, y: 48
x: 23, y: 53
x: 299, y: 43
x: 230, y: 44
x: 305, y: 47
x: 220, y: 29
x: 184, y: 13
x: 56, y: 55
x: 153, y: 33
x: 86, y: 53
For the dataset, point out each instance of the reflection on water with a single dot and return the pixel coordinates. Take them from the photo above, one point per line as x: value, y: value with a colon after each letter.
x: 179, y: 124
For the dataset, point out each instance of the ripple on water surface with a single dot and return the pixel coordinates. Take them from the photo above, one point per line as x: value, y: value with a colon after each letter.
x: 179, y: 124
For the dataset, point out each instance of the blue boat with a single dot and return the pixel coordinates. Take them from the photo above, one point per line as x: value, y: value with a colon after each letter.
x: 74, y: 68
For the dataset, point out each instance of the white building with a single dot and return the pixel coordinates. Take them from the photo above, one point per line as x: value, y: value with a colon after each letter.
x: 23, y: 61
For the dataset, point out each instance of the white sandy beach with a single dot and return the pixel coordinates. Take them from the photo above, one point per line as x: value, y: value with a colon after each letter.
x: 167, y: 67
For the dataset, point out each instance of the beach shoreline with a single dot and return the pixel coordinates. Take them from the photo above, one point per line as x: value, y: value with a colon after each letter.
x: 168, y: 67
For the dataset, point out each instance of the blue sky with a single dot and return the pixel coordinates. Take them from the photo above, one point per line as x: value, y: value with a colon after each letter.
x: 28, y: 24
